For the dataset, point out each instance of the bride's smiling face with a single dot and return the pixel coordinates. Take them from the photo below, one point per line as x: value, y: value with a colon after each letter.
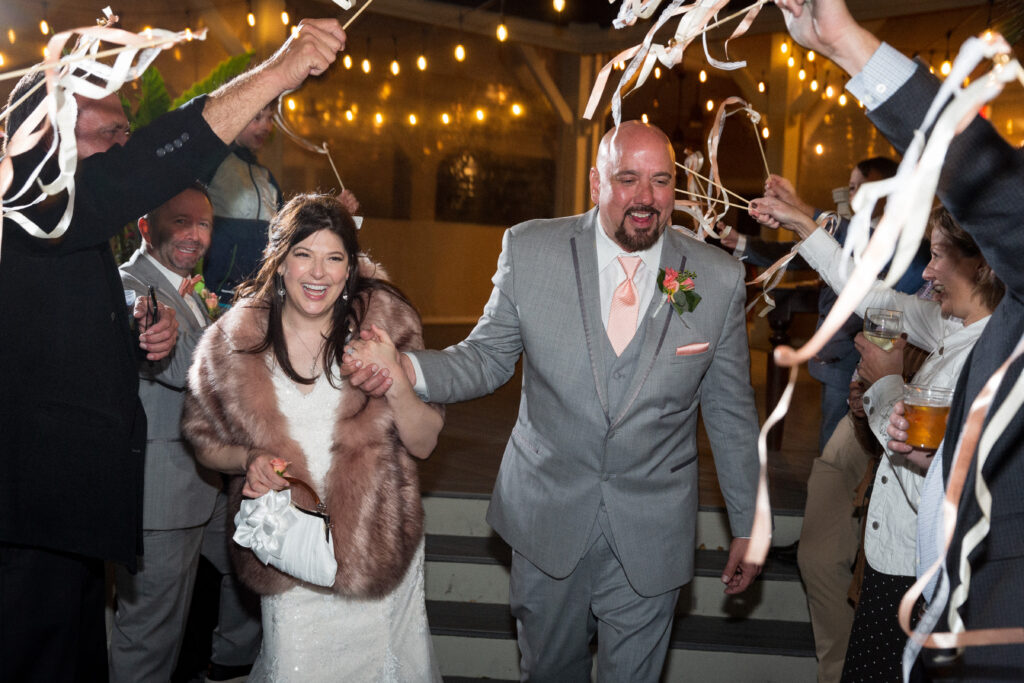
x: 315, y: 272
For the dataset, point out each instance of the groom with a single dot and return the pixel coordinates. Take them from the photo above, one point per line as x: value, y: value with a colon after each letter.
x: 597, y: 492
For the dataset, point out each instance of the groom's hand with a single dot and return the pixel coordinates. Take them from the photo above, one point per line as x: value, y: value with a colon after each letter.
x: 738, y: 575
x: 367, y: 379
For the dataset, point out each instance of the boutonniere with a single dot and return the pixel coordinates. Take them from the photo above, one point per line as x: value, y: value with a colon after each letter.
x: 208, y: 296
x: 678, y: 289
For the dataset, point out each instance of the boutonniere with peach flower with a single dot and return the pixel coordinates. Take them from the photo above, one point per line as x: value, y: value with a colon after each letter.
x: 208, y: 296
x: 678, y: 289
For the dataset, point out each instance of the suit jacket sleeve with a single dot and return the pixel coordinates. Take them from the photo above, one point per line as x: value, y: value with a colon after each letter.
x: 981, y: 178
x: 730, y: 414
x: 115, y: 187
x: 486, y: 359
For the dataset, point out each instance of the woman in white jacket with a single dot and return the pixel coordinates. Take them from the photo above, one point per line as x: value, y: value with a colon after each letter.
x: 965, y: 291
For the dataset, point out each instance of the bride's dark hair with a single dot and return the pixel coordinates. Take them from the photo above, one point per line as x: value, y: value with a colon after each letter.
x: 302, y: 216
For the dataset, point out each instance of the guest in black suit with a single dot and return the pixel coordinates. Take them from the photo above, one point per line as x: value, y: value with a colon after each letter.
x: 72, y: 430
x: 981, y: 186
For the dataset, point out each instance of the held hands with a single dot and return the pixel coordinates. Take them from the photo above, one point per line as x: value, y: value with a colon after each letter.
x: 309, y: 52
x: 261, y: 475
x: 897, y: 429
x: 156, y: 339
x: 875, y: 362
x: 374, y: 365
x: 738, y: 574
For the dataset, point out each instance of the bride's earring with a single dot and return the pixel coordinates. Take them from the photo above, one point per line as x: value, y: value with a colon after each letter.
x: 280, y: 285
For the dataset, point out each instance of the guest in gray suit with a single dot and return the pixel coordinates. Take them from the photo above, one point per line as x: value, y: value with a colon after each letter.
x: 183, y: 510
x: 597, y: 491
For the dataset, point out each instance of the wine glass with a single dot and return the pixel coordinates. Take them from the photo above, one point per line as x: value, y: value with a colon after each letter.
x: 882, y: 326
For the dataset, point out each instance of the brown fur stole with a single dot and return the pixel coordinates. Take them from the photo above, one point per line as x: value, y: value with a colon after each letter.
x: 372, y: 487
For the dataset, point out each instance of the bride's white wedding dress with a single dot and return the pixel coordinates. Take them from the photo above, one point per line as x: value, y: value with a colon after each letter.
x: 312, y: 634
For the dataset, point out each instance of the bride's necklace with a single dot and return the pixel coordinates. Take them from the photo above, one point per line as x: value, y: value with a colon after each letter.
x: 315, y: 356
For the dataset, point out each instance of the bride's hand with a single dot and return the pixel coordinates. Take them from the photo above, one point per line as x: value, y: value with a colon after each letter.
x: 377, y: 351
x: 260, y: 475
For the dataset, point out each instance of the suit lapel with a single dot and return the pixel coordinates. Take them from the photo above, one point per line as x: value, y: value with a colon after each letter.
x: 584, y: 261
x: 672, y: 256
x: 148, y: 274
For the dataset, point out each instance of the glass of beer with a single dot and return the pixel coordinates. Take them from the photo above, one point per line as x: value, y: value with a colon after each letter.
x: 882, y: 326
x: 926, y: 409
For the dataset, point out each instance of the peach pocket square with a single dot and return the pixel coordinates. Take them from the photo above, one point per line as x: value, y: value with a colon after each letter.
x: 692, y: 349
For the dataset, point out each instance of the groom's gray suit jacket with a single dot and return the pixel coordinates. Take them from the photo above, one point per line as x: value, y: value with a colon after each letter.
x: 592, y: 428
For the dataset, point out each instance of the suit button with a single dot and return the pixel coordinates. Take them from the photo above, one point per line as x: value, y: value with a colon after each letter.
x: 885, y: 480
x: 874, y: 525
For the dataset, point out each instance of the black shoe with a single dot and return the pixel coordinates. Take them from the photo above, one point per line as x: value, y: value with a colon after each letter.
x: 221, y: 672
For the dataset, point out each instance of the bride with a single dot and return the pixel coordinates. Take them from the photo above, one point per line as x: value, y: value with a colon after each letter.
x: 264, y: 384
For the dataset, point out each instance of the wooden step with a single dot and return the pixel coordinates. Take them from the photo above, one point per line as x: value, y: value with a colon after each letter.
x: 702, y: 648
x: 476, y: 569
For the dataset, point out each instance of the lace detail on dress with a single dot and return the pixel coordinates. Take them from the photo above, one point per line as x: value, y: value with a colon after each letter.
x: 311, y: 634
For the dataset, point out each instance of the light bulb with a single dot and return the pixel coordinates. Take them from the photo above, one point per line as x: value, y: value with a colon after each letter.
x: 703, y: 76
x: 801, y: 74
x: 791, y: 62
x: 44, y: 27
x: 814, y: 85
x: 502, y: 33
x: 819, y: 149
x: 290, y: 103
x: 11, y: 36
x: 517, y: 109
x: 810, y: 55
x: 347, y: 61
x: 350, y: 115
x: 284, y: 18
x: 412, y: 119
x: 784, y: 47
x: 760, y: 86
x: 295, y: 31
x: 946, y: 67
x: 378, y: 118
x: 829, y: 91
x: 643, y: 117
x: 421, y: 63
x: 460, y: 53
x: 842, y: 99
x: 765, y: 133
x: 395, y: 68
x: 559, y: 5
x: 479, y: 114
x: 445, y: 119
x: 365, y: 66
x: 251, y: 18
x: 710, y: 105
x: 657, y: 72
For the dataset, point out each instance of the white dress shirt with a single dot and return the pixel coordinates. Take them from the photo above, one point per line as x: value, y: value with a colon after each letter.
x: 611, y: 274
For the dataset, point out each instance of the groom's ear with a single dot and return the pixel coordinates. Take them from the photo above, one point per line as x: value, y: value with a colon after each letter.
x: 595, y: 186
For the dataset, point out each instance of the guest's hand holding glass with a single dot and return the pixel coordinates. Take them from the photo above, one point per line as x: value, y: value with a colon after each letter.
x: 882, y: 326
x: 876, y: 362
x: 897, y: 430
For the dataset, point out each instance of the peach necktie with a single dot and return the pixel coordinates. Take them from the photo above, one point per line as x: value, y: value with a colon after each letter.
x: 625, y: 307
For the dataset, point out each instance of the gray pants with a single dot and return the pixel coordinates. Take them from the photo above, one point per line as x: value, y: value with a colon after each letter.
x: 557, y: 619
x: 153, y: 604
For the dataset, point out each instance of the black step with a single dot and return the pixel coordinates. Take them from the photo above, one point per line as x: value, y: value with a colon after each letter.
x: 493, y: 550
x: 466, y: 679
x: 690, y: 632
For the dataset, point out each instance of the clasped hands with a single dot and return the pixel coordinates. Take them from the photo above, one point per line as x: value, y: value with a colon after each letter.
x: 372, y: 364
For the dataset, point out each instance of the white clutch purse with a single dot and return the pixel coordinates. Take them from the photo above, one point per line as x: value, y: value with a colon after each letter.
x: 291, y: 538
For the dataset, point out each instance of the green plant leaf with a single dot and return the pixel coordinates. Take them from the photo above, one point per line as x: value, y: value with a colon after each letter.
x: 154, y: 100
x: 221, y: 74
